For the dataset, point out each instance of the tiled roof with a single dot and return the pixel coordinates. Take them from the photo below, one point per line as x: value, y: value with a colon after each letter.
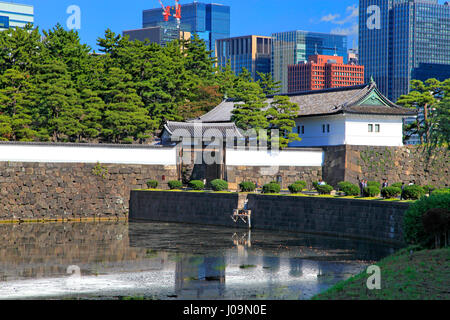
x: 322, y: 102
x: 202, y: 130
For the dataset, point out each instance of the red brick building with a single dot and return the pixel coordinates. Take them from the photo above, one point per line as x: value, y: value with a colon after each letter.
x: 323, y: 72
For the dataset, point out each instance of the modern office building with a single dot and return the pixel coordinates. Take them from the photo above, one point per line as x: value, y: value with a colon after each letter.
x: 409, y: 39
x: 250, y: 52
x: 15, y: 15
x: 210, y: 22
x: 323, y: 72
x: 158, y: 34
x: 294, y: 47
x: 353, y: 56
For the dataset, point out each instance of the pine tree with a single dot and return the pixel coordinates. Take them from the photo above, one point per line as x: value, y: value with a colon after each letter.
x: 124, y: 119
x: 268, y: 84
x: 14, y: 103
x: 250, y: 112
x: 281, y: 115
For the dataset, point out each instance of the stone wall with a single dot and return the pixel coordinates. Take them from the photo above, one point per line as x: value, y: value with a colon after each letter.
x: 188, y: 207
x: 58, y: 190
x: 263, y: 175
x: 398, y: 164
x: 372, y: 220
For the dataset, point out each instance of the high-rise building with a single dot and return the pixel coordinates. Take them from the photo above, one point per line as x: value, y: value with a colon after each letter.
x: 250, y: 52
x: 294, y: 47
x: 353, y: 56
x: 402, y: 40
x: 161, y: 34
x: 210, y: 22
x: 323, y: 72
x: 15, y: 15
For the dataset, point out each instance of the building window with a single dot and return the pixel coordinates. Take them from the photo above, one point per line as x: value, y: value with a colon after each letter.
x: 323, y: 128
x: 328, y: 128
x: 377, y: 128
x: 370, y: 127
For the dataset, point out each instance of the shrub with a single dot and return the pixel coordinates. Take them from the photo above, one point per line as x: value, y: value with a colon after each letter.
x: 247, y: 186
x: 325, y: 189
x: 413, y: 192
x: 428, y: 188
x: 413, y: 228
x: 271, y: 188
x: 152, y: 184
x: 440, y: 191
x: 397, y: 185
x: 302, y: 183
x: 219, y: 185
x: 349, y: 188
x: 343, y: 184
x: 175, y: 184
x: 391, y: 192
x: 196, y: 185
x: 436, y: 221
x: 371, y: 191
x: 374, y: 184
x: 295, y: 188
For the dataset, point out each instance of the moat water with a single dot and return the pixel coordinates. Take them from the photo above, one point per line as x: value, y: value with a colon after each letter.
x: 173, y: 261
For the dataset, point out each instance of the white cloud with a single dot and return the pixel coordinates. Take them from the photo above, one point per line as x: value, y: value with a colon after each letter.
x: 352, y: 14
x: 330, y: 17
x: 353, y: 30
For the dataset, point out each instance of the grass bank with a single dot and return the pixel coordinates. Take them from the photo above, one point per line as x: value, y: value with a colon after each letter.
x: 422, y: 275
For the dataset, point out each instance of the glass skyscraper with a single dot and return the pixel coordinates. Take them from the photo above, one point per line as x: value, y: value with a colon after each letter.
x: 209, y: 21
x: 294, y: 47
x: 412, y: 42
x: 250, y: 52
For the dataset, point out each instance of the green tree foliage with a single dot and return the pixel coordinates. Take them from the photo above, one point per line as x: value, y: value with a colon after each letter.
x: 54, y: 88
x: 268, y: 84
x: 281, y: 115
x: 425, y: 97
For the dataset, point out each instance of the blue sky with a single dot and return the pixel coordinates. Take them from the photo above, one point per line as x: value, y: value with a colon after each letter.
x: 260, y: 17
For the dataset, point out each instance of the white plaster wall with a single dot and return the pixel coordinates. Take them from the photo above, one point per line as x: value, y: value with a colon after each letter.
x: 350, y: 130
x: 314, y: 136
x: 295, y: 158
x: 87, y: 154
x: 357, y: 132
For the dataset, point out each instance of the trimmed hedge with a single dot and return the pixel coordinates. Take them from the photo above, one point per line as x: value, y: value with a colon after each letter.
x: 371, y: 191
x: 196, y: 185
x: 413, y: 192
x: 175, y: 184
x: 440, y: 191
x: 325, y: 189
x: 391, y: 192
x: 219, y: 185
x: 271, y: 188
x: 152, y: 184
x: 247, y: 186
x: 374, y: 184
x: 397, y: 185
x: 302, y: 183
x: 349, y: 188
x: 295, y: 188
x: 413, y: 228
x: 428, y: 188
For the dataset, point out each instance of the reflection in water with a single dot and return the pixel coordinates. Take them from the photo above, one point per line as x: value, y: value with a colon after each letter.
x: 166, y: 261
